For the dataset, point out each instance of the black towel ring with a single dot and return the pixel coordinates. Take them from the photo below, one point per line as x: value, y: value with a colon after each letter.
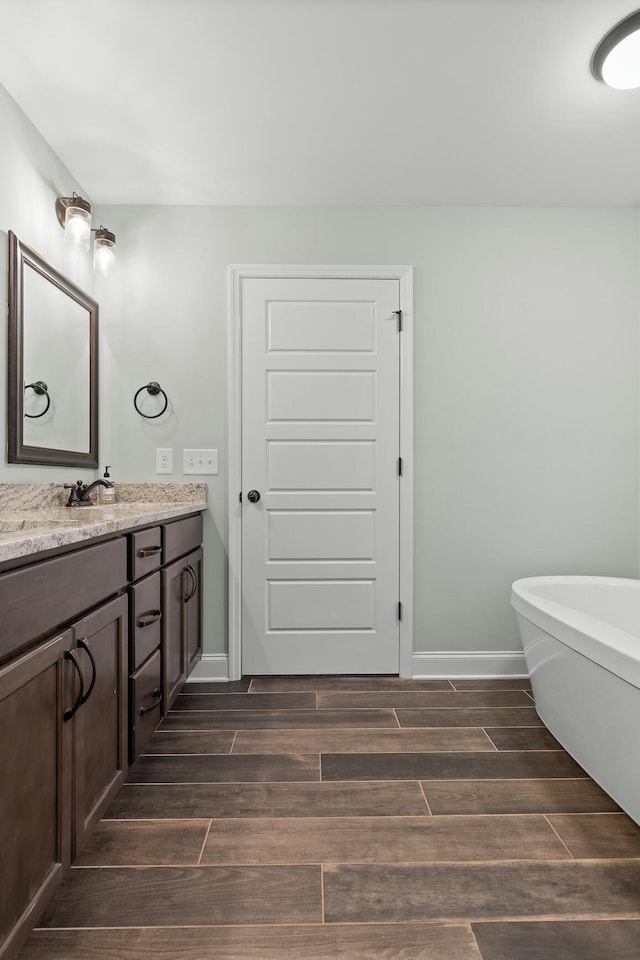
x: 153, y: 389
x: 42, y: 390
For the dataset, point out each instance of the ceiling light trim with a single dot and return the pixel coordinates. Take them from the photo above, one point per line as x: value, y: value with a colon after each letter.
x: 628, y: 25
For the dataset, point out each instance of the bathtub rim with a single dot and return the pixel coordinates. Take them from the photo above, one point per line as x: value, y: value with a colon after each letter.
x: 608, y: 646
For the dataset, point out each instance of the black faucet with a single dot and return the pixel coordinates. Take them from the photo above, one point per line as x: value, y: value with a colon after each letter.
x: 79, y: 496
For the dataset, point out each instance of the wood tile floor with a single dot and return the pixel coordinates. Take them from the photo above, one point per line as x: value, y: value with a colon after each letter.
x: 360, y: 819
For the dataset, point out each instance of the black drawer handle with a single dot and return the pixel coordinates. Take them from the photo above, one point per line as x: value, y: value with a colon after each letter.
x: 69, y: 712
x: 148, y: 551
x: 149, y: 618
x: 82, y: 643
x: 157, y: 695
x: 194, y: 582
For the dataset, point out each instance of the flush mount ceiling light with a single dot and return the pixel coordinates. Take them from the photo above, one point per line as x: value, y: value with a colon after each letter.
x: 616, y: 59
x: 74, y: 214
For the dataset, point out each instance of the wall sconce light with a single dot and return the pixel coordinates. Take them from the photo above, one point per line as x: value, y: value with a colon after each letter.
x: 104, y: 259
x: 616, y: 59
x: 74, y: 214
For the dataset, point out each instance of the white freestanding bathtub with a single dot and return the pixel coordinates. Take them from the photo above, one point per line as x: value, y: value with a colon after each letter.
x: 581, y: 640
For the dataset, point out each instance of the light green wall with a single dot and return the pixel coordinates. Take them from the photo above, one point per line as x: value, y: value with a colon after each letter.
x: 31, y: 177
x: 526, y: 371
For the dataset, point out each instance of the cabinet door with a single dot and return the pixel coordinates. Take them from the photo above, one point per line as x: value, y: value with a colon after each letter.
x: 193, y: 611
x: 35, y: 796
x: 175, y: 587
x: 100, y: 725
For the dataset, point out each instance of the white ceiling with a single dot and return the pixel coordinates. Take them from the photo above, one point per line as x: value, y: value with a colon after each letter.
x: 326, y: 101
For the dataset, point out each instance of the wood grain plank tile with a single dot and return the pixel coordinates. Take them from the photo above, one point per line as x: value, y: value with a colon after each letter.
x: 224, y: 769
x: 525, y: 764
x: 346, y: 684
x: 183, y: 801
x: 189, y: 742
x: 523, y: 738
x: 382, y: 840
x: 242, y: 701
x: 278, y: 719
x: 517, y: 796
x: 607, y: 835
x: 449, y: 739
x: 223, y: 686
x: 157, y: 896
x: 140, y: 843
x: 478, y: 717
x: 415, y: 941
x: 426, y: 700
x: 560, y: 940
x: 482, y: 891
x: 498, y: 683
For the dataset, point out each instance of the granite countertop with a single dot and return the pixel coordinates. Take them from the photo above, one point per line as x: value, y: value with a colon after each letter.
x: 33, y: 519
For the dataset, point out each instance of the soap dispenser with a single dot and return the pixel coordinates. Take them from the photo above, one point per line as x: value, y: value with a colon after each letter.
x: 107, y: 494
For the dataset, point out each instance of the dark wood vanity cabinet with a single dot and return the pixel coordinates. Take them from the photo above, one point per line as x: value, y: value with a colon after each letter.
x: 182, y: 600
x: 36, y: 787
x: 87, y: 658
x: 193, y: 611
x: 100, y: 724
x: 182, y: 627
x: 146, y: 614
x: 165, y: 619
x: 63, y: 724
x: 63, y: 719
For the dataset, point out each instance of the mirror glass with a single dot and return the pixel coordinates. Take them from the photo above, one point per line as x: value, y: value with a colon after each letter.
x: 52, y: 365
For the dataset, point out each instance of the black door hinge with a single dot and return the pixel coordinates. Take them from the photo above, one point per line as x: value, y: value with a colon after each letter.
x: 240, y: 496
x: 398, y: 314
x: 399, y: 609
x: 400, y: 466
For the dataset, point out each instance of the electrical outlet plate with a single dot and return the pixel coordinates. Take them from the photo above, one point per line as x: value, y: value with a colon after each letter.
x: 164, y: 460
x: 200, y: 461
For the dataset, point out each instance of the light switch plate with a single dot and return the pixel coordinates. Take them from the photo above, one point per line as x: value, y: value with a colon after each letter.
x: 164, y: 460
x: 200, y: 461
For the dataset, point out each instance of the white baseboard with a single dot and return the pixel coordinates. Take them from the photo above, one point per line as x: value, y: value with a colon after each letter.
x: 469, y: 665
x: 211, y: 667
x: 481, y: 664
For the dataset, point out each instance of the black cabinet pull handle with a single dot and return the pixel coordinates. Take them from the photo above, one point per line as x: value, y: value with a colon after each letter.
x: 157, y: 695
x: 149, y: 618
x: 194, y: 582
x: 82, y: 643
x: 188, y: 592
x: 194, y: 577
x: 148, y: 551
x: 69, y: 712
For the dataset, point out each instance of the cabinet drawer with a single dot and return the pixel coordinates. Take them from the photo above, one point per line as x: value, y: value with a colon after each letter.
x: 145, y: 703
x: 145, y: 552
x: 181, y: 537
x: 36, y: 600
x: 146, y: 619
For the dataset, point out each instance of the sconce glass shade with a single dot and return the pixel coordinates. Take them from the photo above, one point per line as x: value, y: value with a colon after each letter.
x: 616, y: 60
x: 104, y: 258
x: 74, y: 214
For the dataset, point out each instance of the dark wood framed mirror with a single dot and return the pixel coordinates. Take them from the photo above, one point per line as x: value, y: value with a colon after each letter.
x: 52, y: 365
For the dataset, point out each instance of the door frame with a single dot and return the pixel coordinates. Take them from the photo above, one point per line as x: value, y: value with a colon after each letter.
x: 238, y: 273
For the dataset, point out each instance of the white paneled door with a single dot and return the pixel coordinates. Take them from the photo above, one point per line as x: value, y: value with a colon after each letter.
x: 320, y: 479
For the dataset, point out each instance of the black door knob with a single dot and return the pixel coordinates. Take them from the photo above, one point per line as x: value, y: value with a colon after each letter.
x: 253, y: 496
